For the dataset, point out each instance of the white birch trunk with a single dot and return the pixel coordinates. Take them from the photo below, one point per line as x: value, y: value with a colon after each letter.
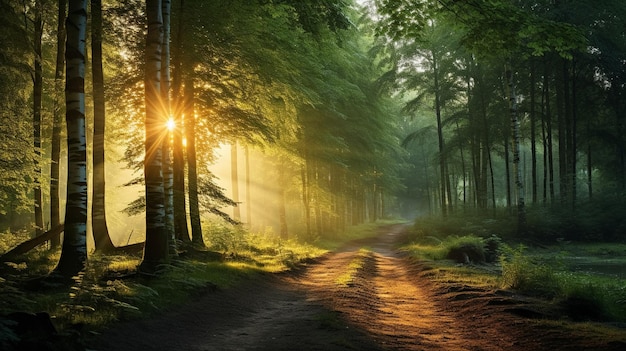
x: 74, y: 249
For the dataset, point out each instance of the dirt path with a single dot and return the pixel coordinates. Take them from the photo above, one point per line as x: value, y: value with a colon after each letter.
x: 356, y: 298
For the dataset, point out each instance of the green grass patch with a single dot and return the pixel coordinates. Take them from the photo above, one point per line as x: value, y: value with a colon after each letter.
x: 556, y: 272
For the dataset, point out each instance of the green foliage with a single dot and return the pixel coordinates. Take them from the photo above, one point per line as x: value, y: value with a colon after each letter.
x: 588, y: 297
x: 520, y: 272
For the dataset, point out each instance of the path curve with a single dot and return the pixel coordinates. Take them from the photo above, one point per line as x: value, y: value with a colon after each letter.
x: 366, y: 296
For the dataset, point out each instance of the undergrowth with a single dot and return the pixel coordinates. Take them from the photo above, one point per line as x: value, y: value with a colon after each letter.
x: 582, y: 296
x: 110, y: 289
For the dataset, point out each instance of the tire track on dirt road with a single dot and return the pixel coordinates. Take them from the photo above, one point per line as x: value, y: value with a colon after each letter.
x: 386, y: 299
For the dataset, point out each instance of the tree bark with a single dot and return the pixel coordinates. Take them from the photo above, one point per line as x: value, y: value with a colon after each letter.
x: 533, y: 129
x: 515, y: 126
x: 248, y: 193
x: 442, y: 159
x: 156, y: 247
x: 55, y: 204
x: 178, y: 156
x: 192, y: 173
x: 37, y: 96
x: 102, y: 240
x: 234, y: 177
x: 74, y: 249
x: 168, y: 172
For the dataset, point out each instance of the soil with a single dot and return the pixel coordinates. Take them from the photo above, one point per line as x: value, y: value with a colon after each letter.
x: 392, y: 303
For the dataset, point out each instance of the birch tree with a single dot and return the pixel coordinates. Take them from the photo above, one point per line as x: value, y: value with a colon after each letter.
x: 74, y: 249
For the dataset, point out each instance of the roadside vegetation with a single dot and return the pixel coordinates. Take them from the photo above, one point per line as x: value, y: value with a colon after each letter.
x: 110, y: 289
x: 583, y: 279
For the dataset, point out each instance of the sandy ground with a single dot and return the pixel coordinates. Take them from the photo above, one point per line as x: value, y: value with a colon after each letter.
x: 389, y: 304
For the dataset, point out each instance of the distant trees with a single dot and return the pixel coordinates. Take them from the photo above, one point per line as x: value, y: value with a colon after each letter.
x: 550, y: 60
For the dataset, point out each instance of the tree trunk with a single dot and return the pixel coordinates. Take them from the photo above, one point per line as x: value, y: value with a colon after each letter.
x: 442, y: 159
x: 37, y: 95
x: 533, y: 136
x: 282, y: 208
x: 515, y: 126
x: 248, y: 193
x: 546, y: 84
x: 507, y: 168
x: 178, y: 156
x: 192, y: 172
x: 574, y: 136
x: 234, y: 177
x: 562, y: 130
x: 74, y: 249
x: 102, y: 240
x: 589, y: 168
x: 157, y: 245
x: 306, y: 201
x: 55, y: 203
x: 168, y: 172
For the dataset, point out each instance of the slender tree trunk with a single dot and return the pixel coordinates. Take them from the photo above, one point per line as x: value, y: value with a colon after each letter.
x: 574, y: 135
x: 563, y: 139
x: 282, y: 208
x: 485, y: 154
x: 515, y: 126
x: 463, y: 171
x: 493, y: 183
x: 234, y: 177
x: 102, y: 240
x: 37, y: 95
x: 533, y: 129
x: 248, y: 190
x: 168, y: 172
x: 545, y: 145
x: 589, y: 168
x: 507, y: 167
x: 442, y: 159
x: 549, y: 140
x: 178, y: 156
x: 74, y: 249
x: 306, y: 201
x: 157, y: 241
x: 55, y: 203
x: 192, y: 172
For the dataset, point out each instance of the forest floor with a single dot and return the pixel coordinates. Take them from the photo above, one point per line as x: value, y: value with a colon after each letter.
x: 365, y: 296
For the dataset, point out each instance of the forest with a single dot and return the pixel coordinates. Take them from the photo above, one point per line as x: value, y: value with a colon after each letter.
x: 155, y: 151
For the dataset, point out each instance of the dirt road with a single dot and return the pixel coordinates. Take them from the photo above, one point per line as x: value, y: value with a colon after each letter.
x: 366, y: 296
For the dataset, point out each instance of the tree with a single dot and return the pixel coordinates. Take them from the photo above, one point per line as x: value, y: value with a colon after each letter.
x: 74, y: 249
x: 156, y: 245
x: 102, y: 240
x: 55, y: 152
x: 168, y: 172
x: 16, y: 117
x: 192, y: 168
x: 38, y: 24
x: 178, y: 158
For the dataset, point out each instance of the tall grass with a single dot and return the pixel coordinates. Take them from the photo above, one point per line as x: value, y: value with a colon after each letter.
x: 583, y: 296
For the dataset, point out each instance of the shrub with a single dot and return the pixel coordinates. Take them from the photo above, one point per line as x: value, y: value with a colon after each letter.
x: 521, y: 273
x: 466, y: 249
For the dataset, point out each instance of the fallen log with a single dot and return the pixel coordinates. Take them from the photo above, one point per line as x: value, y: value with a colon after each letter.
x: 132, y: 249
x: 32, y: 243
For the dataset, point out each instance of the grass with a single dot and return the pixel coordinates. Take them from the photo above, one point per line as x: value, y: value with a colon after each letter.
x: 543, y: 272
x: 109, y: 290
